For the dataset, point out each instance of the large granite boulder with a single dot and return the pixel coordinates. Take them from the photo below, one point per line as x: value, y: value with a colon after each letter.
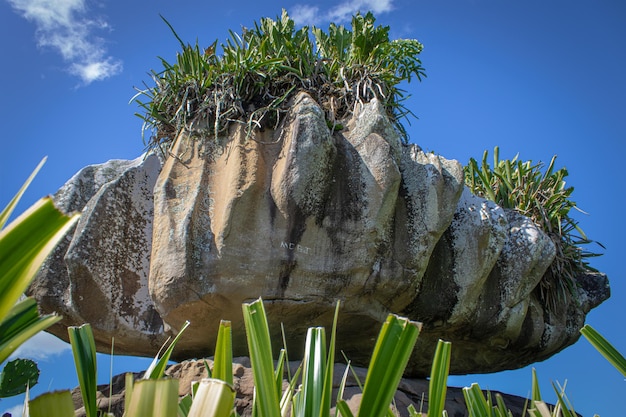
x: 304, y: 216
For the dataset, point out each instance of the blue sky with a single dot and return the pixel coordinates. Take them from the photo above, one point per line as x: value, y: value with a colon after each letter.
x: 538, y: 78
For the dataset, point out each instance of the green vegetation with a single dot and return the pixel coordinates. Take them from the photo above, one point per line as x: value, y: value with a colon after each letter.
x: 24, y: 245
x: 158, y: 397
x: 260, y: 69
x: 309, y: 389
x: 480, y: 406
x: 84, y: 351
x: 18, y: 375
x: 543, y: 196
x: 605, y: 348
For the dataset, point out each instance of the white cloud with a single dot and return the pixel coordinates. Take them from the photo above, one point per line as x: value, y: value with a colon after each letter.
x: 63, y: 26
x: 305, y: 14
x: 342, y: 12
x: 41, y: 347
x: 16, y: 410
x: 96, y: 71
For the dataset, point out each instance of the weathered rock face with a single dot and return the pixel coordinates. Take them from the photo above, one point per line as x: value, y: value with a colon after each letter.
x: 99, y: 274
x: 302, y: 217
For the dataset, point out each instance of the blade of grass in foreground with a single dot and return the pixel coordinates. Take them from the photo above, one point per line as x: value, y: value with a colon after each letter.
x: 562, y: 402
x: 156, y: 369
x: 223, y: 358
x: 279, y: 371
x: 52, y: 404
x: 154, y: 398
x: 128, y: 389
x: 84, y: 351
x: 439, y: 379
x: 24, y: 246
x: 342, y: 383
x: 22, y: 322
x: 214, y: 398
x: 289, y: 396
x: 534, y: 387
x: 605, y: 348
x: 391, y: 354
x: 501, y: 408
x: 260, y: 349
x: 310, y: 399
x: 8, y: 210
x: 330, y: 367
x: 475, y: 401
x: 343, y: 409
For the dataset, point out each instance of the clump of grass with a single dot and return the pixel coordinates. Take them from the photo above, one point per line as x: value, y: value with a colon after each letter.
x: 542, y: 195
x: 261, y: 68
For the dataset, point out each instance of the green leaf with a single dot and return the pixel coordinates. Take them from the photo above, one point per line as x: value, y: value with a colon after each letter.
x: 391, y: 354
x: 605, y: 348
x: 475, y: 401
x: 543, y: 197
x: 330, y: 366
x: 343, y: 409
x: 52, y: 404
x: 278, y: 376
x: 184, y: 405
x: 501, y: 408
x: 22, y: 323
x: 260, y: 349
x: 16, y: 376
x: 129, y: 381
x: 290, y: 397
x: 535, y: 390
x: 214, y: 398
x: 342, y: 383
x: 223, y: 358
x: 260, y: 63
x: 540, y: 409
x: 8, y: 210
x: 438, y: 379
x: 154, y: 398
x: 563, y: 407
x: 24, y: 245
x: 311, y: 398
x: 84, y: 350
x: 182, y: 44
x: 157, y: 368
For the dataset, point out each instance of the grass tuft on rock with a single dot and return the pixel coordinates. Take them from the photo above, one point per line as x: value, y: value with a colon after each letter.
x: 542, y: 195
x: 262, y: 67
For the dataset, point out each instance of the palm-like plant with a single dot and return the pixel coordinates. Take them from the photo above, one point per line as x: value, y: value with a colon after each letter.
x: 542, y: 195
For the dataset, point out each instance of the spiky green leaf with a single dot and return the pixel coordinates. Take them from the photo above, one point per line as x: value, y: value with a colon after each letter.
x: 84, y: 351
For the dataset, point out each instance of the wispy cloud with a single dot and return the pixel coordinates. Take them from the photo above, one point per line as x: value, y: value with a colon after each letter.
x: 15, y: 410
x: 63, y: 25
x: 43, y: 346
x: 311, y: 15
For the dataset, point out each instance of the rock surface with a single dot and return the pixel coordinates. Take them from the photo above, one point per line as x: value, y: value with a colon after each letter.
x: 99, y: 274
x: 303, y: 216
x: 410, y: 391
